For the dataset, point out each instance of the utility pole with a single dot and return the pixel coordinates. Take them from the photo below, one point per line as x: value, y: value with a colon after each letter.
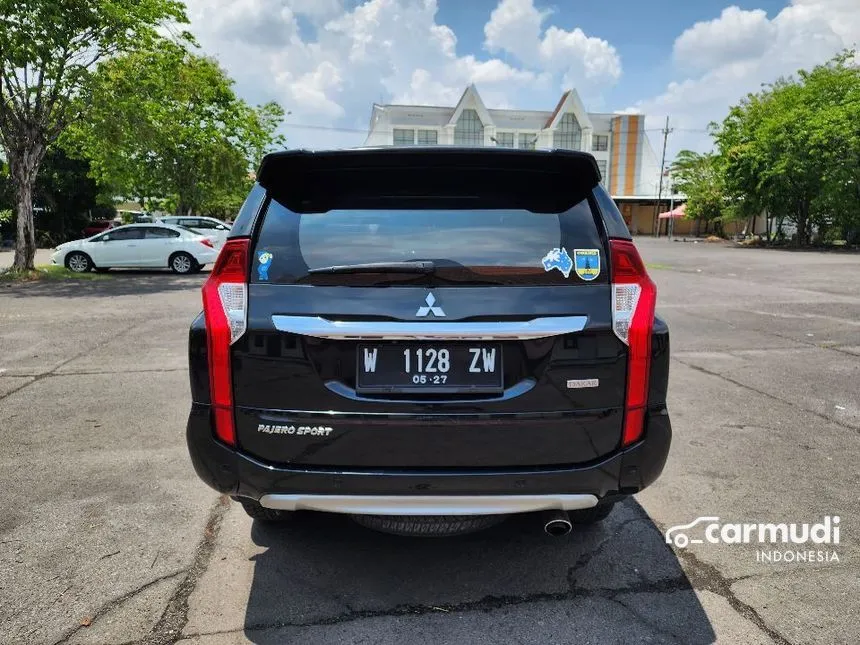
x: 655, y: 228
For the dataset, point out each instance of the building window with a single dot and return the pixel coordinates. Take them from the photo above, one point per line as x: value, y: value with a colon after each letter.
x: 568, y: 134
x: 428, y: 137
x: 469, y: 130
x: 505, y: 139
x: 601, y: 166
x: 404, y: 137
x: 527, y: 140
x: 600, y: 143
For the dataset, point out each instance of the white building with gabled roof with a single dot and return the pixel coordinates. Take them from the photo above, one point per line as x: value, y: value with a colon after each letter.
x: 627, y: 162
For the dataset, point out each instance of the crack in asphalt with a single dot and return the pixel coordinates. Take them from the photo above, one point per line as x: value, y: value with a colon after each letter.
x: 493, y: 602
x: 768, y: 395
x: 116, y: 602
x: 588, y: 556
x: 169, y: 627
x: 98, y: 372
x: 53, y: 371
x: 704, y: 576
x: 487, y: 603
x: 766, y: 332
x: 696, y: 575
x: 642, y: 619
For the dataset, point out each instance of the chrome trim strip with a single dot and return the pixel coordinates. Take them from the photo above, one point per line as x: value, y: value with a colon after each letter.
x: 388, y: 330
x: 428, y: 504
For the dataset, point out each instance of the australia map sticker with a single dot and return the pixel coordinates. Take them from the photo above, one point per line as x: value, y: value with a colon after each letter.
x: 587, y: 263
x: 558, y: 259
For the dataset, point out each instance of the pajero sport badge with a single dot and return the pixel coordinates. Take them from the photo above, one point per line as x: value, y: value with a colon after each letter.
x: 315, y: 431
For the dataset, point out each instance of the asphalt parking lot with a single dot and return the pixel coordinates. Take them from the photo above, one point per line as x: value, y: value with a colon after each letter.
x: 107, y: 536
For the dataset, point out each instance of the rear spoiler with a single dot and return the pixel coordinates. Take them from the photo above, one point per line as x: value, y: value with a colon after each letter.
x: 437, y: 177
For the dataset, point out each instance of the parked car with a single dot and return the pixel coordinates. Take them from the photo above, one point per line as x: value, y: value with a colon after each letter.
x: 139, y: 246
x: 429, y: 340
x: 98, y: 226
x: 214, y: 229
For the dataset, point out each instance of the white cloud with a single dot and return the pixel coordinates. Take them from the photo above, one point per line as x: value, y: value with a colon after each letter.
x: 578, y: 55
x: 735, y: 35
x: 388, y: 51
x: 516, y: 26
x: 315, y: 9
x: 740, y: 51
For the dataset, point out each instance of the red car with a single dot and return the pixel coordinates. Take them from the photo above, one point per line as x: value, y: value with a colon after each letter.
x: 99, y: 226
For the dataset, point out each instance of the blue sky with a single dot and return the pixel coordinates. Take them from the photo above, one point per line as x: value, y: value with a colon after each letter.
x: 644, y: 38
x: 327, y: 61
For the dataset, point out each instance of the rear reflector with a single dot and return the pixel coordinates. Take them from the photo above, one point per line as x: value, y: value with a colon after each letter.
x: 225, y: 305
x: 634, y: 297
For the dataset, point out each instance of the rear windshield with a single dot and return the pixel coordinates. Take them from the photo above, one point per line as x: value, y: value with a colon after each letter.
x: 467, y: 247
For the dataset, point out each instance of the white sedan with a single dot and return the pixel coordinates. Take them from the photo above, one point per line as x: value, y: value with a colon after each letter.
x: 212, y: 228
x: 138, y: 246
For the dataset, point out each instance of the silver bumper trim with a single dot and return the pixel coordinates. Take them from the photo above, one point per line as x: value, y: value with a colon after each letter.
x: 389, y: 330
x: 428, y: 504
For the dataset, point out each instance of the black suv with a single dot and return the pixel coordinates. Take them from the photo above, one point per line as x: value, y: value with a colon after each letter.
x: 428, y: 340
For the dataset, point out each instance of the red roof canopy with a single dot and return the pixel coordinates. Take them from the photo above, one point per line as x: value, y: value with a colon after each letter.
x: 675, y: 213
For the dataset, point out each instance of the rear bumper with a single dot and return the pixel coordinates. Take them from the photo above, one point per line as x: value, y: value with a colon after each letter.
x: 428, y: 492
x: 427, y: 504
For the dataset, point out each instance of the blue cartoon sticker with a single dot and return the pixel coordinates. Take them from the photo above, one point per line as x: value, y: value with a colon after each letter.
x: 587, y: 263
x: 558, y: 259
x: 264, y: 260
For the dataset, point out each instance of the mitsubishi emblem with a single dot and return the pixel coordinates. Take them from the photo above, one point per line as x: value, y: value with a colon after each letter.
x: 423, y: 312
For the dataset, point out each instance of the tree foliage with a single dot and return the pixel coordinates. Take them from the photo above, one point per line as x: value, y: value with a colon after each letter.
x: 794, y: 149
x: 164, y: 124
x: 699, y: 177
x: 48, y: 50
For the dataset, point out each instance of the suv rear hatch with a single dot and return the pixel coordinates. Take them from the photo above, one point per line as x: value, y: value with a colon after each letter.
x: 436, y: 309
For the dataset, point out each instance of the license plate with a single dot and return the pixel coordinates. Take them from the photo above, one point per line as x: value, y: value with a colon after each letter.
x: 469, y: 367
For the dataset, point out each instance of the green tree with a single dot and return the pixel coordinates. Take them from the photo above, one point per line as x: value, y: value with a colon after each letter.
x: 48, y: 49
x: 165, y: 124
x: 794, y: 148
x: 699, y: 177
x: 69, y: 195
x: 833, y: 95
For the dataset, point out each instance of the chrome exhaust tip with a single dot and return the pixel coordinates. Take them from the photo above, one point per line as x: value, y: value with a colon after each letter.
x: 556, y: 523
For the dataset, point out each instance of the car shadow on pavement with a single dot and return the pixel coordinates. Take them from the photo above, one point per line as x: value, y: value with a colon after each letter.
x: 323, y: 578
x: 117, y: 283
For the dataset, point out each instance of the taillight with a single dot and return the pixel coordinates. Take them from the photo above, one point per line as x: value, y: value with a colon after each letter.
x: 207, y: 242
x: 225, y: 306
x: 634, y: 297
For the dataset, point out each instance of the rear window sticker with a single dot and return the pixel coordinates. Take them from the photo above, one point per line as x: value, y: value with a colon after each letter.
x: 558, y: 259
x: 587, y: 263
x: 264, y: 261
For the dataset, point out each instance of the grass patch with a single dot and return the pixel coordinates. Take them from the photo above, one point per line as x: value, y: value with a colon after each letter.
x: 651, y: 265
x: 48, y: 273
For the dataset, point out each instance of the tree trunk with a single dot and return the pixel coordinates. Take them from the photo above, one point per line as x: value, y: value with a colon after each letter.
x: 802, y: 224
x: 23, y: 168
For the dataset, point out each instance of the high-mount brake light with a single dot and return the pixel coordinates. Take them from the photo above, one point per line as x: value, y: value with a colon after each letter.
x: 225, y: 307
x: 634, y: 297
